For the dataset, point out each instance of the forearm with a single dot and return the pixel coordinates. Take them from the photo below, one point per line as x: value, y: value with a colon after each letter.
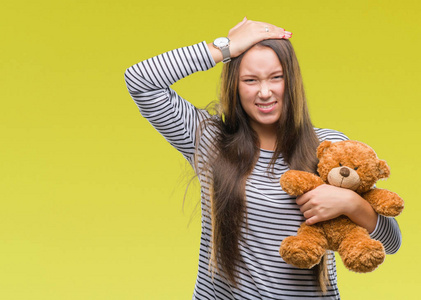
x: 216, y: 53
x: 161, y: 71
x: 148, y: 81
x: 361, y: 212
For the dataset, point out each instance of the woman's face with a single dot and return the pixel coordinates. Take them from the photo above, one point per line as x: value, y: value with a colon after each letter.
x: 261, y: 87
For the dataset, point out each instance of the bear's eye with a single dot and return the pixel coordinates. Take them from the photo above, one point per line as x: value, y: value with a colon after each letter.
x: 356, y: 168
x: 340, y: 164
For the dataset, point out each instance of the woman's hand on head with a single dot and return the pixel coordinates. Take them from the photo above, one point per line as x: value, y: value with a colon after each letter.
x: 247, y: 33
x: 327, y: 202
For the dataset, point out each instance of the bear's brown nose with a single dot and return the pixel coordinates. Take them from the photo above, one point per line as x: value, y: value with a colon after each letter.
x: 344, y: 172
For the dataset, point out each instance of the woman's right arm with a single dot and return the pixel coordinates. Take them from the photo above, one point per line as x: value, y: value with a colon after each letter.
x: 161, y: 71
x: 149, y: 83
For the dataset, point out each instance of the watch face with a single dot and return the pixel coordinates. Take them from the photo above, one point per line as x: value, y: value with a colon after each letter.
x: 220, y: 42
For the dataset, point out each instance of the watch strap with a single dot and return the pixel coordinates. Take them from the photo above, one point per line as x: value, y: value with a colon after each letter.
x: 222, y: 43
x: 226, y: 55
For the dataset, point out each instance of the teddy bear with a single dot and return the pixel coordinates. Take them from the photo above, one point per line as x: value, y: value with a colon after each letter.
x: 351, y: 165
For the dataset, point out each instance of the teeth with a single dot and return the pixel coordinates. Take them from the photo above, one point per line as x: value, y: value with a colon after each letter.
x: 266, y: 106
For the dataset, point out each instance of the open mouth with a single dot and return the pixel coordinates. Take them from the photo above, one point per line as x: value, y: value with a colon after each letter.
x: 266, y: 106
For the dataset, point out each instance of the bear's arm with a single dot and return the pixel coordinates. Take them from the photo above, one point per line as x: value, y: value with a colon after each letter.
x: 384, y: 202
x: 296, y: 183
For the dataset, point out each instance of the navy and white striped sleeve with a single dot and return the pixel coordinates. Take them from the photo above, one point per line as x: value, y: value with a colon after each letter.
x: 388, y: 233
x: 330, y: 135
x: 149, y: 83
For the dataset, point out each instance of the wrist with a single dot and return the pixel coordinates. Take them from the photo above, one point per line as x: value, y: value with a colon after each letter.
x: 353, y: 203
x: 222, y: 44
x: 216, y: 53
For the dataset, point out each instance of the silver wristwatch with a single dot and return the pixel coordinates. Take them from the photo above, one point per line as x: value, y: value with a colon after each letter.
x: 223, y: 44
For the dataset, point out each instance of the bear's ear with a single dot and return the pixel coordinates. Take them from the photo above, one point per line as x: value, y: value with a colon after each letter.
x: 384, y: 170
x: 322, y: 147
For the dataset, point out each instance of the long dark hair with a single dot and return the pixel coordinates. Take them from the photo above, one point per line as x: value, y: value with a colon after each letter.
x: 237, y: 150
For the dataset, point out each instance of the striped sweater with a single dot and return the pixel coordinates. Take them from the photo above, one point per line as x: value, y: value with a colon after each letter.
x: 272, y: 214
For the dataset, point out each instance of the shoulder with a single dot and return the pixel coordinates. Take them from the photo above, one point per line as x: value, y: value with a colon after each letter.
x: 325, y: 134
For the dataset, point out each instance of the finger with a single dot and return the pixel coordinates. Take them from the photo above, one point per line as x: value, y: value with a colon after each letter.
x: 309, y: 214
x: 305, y: 207
x: 286, y: 34
x: 282, y: 34
x: 311, y: 221
x: 301, y: 200
x: 275, y: 32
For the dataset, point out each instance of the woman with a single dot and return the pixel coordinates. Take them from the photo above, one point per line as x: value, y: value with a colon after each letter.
x: 262, y: 130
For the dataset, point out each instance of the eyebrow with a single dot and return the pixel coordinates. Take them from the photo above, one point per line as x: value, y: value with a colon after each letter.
x: 253, y: 75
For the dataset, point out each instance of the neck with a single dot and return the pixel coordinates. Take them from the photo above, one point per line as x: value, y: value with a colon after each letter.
x: 267, y: 137
x: 267, y: 144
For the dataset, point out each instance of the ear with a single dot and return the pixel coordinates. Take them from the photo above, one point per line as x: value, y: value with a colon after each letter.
x: 384, y: 170
x: 322, y: 148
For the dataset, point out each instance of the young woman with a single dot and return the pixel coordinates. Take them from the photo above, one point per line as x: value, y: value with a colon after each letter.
x: 262, y: 129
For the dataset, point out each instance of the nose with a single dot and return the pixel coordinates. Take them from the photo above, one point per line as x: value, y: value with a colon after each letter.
x: 265, y: 91
x: 344, y: 172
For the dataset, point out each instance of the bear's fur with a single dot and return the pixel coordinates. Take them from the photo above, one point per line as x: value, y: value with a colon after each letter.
x: 347, y: 164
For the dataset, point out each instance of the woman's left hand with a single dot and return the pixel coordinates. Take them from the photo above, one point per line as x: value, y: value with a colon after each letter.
x: 327, y: 202
x: 323, y: 203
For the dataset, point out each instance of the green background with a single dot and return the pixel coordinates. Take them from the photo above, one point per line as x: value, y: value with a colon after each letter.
x: 92, y: 197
